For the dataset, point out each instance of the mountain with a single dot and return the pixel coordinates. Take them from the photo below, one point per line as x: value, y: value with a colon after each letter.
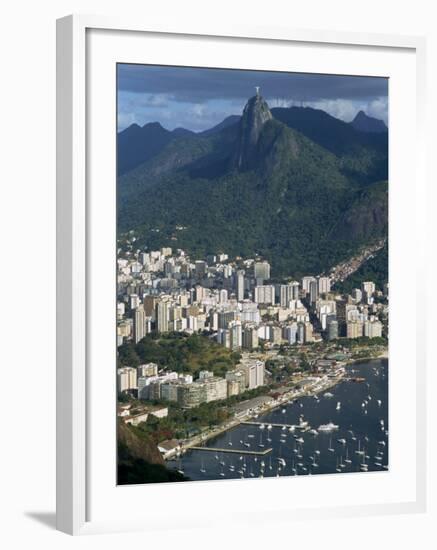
x: 139, y: 460
x: 228, y: 121
x: 363, y: 156
x: 256, y: 113
x: 365, y: 123
x: 304, y: 192
x: 137, y: 144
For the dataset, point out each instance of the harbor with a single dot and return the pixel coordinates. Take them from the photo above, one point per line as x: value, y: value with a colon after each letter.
x: 341, y: 430
x: 247, y: 412
x: 232, y: 451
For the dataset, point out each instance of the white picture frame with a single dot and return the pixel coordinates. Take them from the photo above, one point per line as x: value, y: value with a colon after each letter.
x: 75, y: 394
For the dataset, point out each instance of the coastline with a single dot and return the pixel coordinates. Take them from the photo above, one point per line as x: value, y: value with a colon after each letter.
x: 285, y: 398
x: 381, y: 355
x: 292, y: 395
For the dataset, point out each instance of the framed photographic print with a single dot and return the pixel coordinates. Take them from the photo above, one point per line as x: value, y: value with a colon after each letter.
x: 237, y: 318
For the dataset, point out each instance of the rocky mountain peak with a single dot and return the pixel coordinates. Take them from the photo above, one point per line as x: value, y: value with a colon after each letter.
x: 365, y: 123
x: 255, y: 114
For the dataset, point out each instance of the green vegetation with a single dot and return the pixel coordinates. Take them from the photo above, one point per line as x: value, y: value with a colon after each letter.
x: 179, y: 352
x: 301, y: 206
x: 132, y: 470
x: 351, y: 343
x: 139, y: 460
x: 184, y: 423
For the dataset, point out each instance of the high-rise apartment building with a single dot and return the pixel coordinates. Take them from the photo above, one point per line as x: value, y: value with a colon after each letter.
x: 140, y: 326
x: 332, y: 329
x: 265, y: 294
x: 235, y: 331
x: 254, y: 373
x: 239, y: 285
x: 250, y: 337
x: 261, y: 271
x: 324, y: 285
x: 354, y: 329
x: 306, y: 283
x: 314, y: 291
x: 373, y: 329
x: 368, y: 287
x: 148, y: 369
x: 162, y: 316
x: 126, y: 379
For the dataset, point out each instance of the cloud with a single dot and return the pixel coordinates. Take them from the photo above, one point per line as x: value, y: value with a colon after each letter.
x: 195, y: 85
x: 378, y: 108
x: 198, y: 109
x: 200, y: 98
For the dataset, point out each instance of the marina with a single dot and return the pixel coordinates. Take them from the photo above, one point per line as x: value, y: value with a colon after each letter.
x: 232, y: 451
x: 345, y: 431
x: 273, y: 424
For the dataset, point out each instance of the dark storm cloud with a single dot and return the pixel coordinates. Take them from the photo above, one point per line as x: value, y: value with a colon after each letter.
x: 199, y: 85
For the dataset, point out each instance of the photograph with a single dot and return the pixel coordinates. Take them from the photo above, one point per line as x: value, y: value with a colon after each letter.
x: 252, y: 299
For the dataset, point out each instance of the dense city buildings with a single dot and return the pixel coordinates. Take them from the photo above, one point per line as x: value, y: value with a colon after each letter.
x: 233, y: 303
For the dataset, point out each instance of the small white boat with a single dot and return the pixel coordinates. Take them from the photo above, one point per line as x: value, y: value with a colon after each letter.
x: 338, y: 407
x: 328, y: 427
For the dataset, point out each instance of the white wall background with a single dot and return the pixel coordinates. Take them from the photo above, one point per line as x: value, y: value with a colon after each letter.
x: 27, y: 218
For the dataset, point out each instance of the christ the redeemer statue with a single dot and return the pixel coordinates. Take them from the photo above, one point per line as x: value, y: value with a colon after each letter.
x: 257, y: 90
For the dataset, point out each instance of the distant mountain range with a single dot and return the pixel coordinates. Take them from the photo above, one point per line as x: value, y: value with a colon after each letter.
x: 295, y: 185
x: 365, y: 123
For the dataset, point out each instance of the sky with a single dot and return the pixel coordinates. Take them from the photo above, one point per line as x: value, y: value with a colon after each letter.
x: 199, y: 98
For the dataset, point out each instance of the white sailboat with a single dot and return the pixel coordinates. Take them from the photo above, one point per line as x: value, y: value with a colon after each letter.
x: 364, y: 466
x: 359, y: 451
